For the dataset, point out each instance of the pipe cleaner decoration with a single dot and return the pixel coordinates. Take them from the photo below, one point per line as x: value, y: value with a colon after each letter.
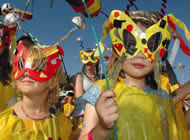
x: 51, y: 3
x: 79, y: 24
x: 23, y: 13
x: 104, y: 13
x: 131, y: 3
x: 163, y: 8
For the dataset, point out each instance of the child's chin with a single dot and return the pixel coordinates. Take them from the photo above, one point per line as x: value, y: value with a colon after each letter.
x: 28, y: 91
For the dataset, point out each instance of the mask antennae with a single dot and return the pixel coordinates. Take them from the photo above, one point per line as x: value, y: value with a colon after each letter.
x: 162, y: 13
x: 131, y: 3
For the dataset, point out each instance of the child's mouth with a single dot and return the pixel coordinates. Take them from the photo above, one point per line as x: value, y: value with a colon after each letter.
x: 138, y: 65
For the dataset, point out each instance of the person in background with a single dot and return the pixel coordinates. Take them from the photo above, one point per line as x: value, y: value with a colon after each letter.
x: 83, y: 81
x: 7, y: 91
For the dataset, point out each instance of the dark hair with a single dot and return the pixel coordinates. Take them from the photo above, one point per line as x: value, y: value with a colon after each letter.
x: 149, y: 80
x: 24, y: 37
x: 96, y: 69
x: 5, y: 67
x: 0, y: 12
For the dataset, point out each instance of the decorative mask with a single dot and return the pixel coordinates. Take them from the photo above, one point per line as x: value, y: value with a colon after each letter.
x: 128, y: 38
x: 49, y: 63
x: 87, y: 57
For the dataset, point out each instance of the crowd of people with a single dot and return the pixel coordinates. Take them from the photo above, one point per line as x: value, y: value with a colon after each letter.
x: 144, y: 100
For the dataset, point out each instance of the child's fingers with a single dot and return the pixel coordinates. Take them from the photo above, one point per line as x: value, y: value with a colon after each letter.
x: 112, y: 119
x: 106, y: 95
x: 110, y: 102
x: 112, y: 110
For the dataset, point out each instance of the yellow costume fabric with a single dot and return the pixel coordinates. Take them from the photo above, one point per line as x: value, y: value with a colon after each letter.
x: 68, y: 108
x: 14, y: 128
x: 6, y: 93
x: 139, y: 112
x: 181, y: 122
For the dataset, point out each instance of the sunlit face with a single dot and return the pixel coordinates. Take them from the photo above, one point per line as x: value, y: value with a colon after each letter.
x: 90, y: 66
x: 28, y: 86
x: 88, y: 57
x: 138, y: 67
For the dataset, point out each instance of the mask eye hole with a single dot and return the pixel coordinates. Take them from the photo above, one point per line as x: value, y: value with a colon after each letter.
x: 129, y: 42
x: 39, y: 64
x: 154, y: 41
x: 21, y: 63
x: 93, y: 57
x: 85, y: 57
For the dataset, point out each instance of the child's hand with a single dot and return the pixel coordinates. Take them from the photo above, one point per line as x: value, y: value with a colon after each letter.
x: 107, y: 110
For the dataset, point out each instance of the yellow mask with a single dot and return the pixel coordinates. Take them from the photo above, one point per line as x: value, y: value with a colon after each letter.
x: 87, y: 57
x: 128, y: 38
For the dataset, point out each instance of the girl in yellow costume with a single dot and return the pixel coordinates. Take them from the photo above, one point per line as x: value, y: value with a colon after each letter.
x: 7, y: 37
x: 182, y: 92
x: 36, y: 71
x: 8, y: 30
x: 6, y: 89
x: 138, y: 105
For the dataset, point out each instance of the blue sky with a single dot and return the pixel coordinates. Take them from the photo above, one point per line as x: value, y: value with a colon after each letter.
x: 50, y: 24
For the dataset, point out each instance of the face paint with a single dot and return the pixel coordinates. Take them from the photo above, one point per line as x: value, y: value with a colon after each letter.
x: 40, y: 69
x: 128, y: 38
x: 87, y: 57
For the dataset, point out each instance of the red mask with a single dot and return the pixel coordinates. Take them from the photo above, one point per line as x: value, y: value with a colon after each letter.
x: 51, y: 60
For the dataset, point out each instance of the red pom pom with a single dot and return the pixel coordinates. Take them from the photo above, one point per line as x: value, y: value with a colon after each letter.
x: 149, y: 55
x: 116, y: 14
x: 162, y: 52
x: 106, y: 57
x: 59, y: 138
x: 145, y: 50
x: 110, y: 25
x: 129, y: 28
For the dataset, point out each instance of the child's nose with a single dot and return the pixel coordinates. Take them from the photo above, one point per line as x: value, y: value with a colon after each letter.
x: 26, y: 73
x: 141, y: 55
